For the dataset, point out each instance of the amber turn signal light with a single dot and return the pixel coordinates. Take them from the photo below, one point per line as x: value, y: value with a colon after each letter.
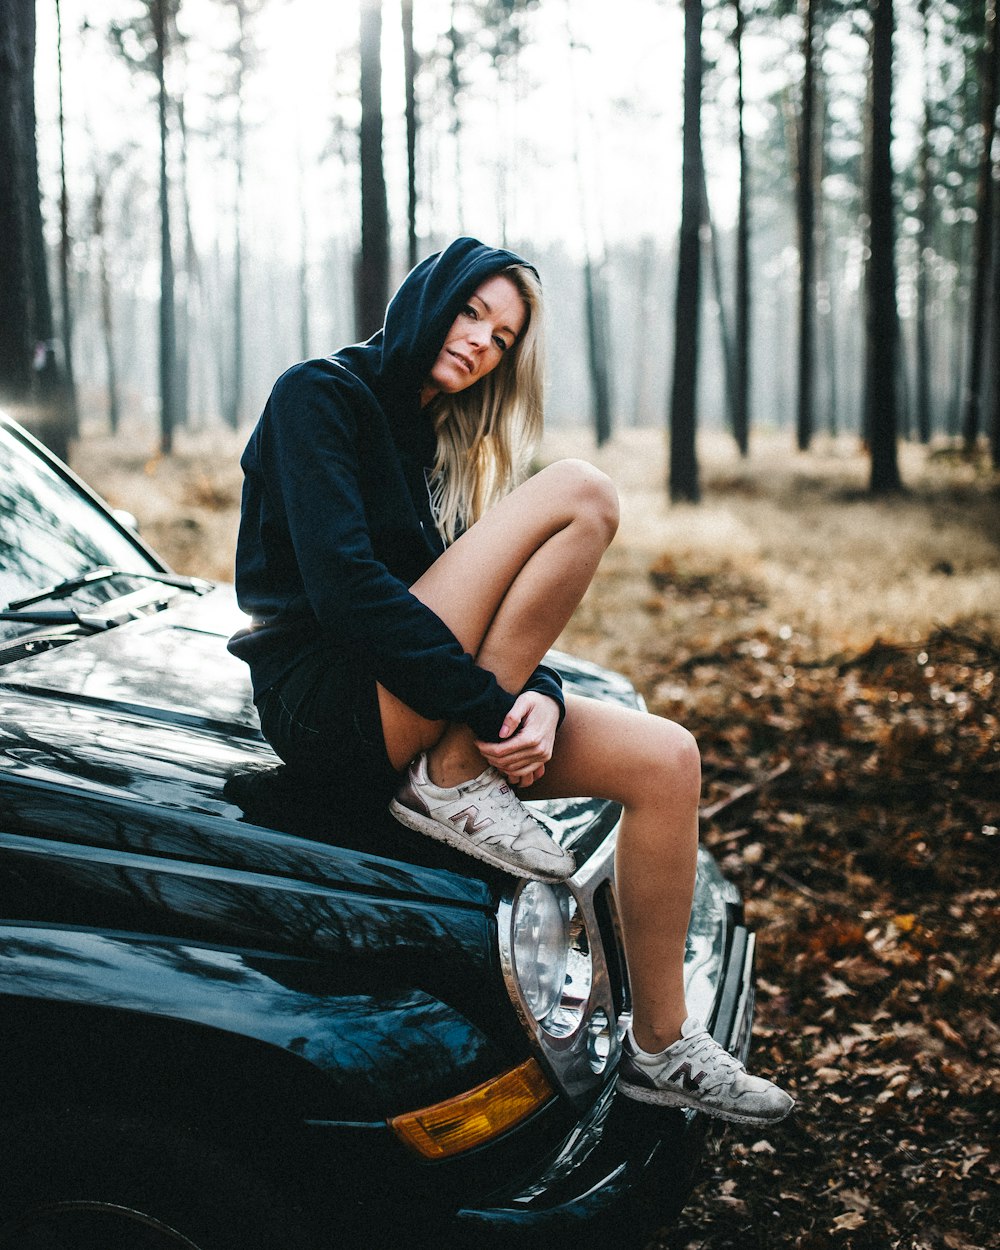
x: 447, y: 1128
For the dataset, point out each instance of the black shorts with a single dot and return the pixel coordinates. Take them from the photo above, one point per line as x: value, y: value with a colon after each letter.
x: 323, y: 719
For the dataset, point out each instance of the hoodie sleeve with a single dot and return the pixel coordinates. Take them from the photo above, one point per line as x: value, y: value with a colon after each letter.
x: 308, y: 460
x: 547, y: 681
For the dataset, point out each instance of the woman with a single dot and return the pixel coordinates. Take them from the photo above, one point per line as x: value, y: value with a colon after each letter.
x: 403, y: 593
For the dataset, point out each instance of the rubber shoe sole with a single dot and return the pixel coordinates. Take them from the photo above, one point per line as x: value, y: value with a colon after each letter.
x: 676, y: 1098
x: 459, y: 841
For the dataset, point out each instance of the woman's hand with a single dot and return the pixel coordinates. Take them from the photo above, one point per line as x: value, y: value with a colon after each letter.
x: 527, y: 737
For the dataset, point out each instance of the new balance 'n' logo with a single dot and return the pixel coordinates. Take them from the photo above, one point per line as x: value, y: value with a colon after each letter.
x: 684, y: 1075
x: 469, y: 814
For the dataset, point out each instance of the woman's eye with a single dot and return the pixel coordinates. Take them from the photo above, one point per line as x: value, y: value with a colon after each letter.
x: 499, y: 342
x: 469, y: 311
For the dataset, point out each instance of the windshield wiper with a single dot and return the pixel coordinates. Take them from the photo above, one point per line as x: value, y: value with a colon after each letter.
x: 62, y: 616
x: 102, y: 574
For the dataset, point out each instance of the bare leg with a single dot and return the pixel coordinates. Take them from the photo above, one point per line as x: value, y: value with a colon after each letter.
x: 652, y: 767
x: 506, y: 589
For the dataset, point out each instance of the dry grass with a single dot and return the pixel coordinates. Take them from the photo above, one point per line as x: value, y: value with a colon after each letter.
x: 780, y: 542
x: 787, y: 542
x: 187, y: 504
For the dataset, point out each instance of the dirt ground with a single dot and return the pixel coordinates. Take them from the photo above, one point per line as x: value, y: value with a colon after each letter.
x: 794, y: 538
x: 838, y: 659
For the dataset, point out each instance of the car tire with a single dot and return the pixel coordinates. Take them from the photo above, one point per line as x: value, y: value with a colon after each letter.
x: 89, y: 1226
x: 76, y: 1180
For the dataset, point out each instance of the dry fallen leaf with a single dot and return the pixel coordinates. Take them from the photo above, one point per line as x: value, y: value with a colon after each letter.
x: 850, y: 1219
x: 833, y: 987
x: 948, y: 1033
x: 829, y: 1076
x: 972, y: 1156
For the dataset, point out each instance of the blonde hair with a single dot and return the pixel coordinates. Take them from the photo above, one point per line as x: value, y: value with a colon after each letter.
x: 487, y: 435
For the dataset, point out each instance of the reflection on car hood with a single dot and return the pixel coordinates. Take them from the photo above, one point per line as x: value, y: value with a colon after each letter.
x: 173, y: 666
x: 158, y: 710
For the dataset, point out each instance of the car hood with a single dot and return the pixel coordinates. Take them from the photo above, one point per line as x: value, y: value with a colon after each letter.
x: 172, y: 667
x: 157, y: 712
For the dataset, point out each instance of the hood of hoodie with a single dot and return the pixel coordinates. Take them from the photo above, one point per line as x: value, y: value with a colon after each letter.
x: 397, y: 359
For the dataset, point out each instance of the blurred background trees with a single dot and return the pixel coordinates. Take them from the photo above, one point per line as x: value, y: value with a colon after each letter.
x: 227, y: 185
x: 30, y: 370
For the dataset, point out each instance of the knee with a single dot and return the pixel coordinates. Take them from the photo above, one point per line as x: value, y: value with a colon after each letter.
x: 678, y: 760
x: 589, y: 493
x: 663, y: 771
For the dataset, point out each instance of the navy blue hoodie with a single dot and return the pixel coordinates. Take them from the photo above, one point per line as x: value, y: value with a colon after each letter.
x: 336, y: 521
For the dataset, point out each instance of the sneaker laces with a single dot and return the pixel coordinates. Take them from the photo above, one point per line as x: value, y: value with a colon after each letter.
x: 488, y: 781
x: 706, y: 1047
x: 501, y: 793
x: 493, y: 782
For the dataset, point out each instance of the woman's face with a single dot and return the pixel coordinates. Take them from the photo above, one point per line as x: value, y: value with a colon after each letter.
x: 485, y: 329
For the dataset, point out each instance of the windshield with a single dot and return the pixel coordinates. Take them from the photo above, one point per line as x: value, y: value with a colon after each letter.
x: 49, y: 531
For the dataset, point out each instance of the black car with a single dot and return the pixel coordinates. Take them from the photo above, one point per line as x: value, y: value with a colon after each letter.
x: 239, y: 1013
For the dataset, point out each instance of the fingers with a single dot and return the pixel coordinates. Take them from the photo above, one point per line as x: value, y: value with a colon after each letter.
x: 512, y: 765
x: 521, y: 780
x: 528, y: 779
x: 528, y: 746
x: 514, y: 717
x: 521, y: 777
x: 523, y: 751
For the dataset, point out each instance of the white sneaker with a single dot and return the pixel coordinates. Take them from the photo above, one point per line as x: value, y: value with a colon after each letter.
x: 485, y: 819
x: 697, y: 1072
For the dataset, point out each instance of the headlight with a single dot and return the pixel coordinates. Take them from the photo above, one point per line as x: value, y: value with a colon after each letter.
x: 552, y: 960
x: 540, y: 947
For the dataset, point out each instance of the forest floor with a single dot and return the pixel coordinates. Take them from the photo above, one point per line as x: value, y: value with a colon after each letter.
x: 838, y: 659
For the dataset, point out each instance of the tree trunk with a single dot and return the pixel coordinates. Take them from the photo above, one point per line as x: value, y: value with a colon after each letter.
x: 373, y: 268
x: 741, y: 399
x: 72, y: 412
x: 924, y: 236
x: 184, y: 312
x: 958, y: 323
x: 597, y: 355
x: 410, y: 96
x: 641, y: 303
x: 831, y: 337
x: 683, y: 470
x: 106, y: 304
x: 29, y: 369
x: 17, y: 312
x: 455, y: 85
x: 726, y: 348
x: 882, y: 322
x: 216, y: 312
x: 47, y: 385
x: 971, y: 420
x: 234, y: 404
x: 806, y: 206
x: 168, y: 332
x: 594, y: 303
x: 827, y: 295
x: 995, y: 355
x: 305, y: 332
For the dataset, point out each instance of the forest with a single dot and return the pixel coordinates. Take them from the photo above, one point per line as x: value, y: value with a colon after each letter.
x: 769, y: 236
x: 779, y: 216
